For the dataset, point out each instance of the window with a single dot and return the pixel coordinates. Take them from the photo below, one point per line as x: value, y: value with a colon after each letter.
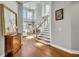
x: 43, y: 9
x: 24, y: 13
x: 47, y: 9
x: 29, y: 15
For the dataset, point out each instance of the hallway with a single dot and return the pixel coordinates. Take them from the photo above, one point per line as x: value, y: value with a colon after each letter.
x: 33, y: 48
x: 39, y: 29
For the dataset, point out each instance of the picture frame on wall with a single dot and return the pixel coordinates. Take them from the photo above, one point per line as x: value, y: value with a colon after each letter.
x: 59, y: 14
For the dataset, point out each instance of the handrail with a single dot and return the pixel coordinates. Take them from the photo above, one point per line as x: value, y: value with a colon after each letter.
x: 42, y: 22
x: 36, y: 29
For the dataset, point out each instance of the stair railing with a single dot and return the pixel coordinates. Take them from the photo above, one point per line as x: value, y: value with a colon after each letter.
x: 41, y: 26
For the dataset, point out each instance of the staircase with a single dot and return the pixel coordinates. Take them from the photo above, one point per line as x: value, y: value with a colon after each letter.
x: 44, y: 36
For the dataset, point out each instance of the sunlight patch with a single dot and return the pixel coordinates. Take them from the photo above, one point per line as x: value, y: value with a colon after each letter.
x: 30, y: 37
x: 38, y: 44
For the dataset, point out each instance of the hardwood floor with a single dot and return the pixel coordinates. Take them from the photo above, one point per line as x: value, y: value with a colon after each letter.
x: 33, y: 48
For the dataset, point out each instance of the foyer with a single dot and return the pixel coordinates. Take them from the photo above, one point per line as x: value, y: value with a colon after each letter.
x: 34, y: 48
x: 39, y: 29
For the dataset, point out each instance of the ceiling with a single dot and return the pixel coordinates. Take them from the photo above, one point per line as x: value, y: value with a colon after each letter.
x: 22, y: 2
x: 29, y: 4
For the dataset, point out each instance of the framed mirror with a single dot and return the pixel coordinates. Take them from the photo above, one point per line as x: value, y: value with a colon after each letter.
x: 9, y: 20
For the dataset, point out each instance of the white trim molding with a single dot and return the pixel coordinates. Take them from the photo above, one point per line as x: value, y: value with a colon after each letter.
x: 59, y: 47
x: 65, y: 49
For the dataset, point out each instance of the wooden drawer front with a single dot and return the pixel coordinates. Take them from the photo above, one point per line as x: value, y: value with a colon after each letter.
x: 12, y: 44
x: 16, y: 44
x: 8, y: 44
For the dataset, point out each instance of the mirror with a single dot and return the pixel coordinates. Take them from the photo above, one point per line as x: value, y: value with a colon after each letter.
x: 9, y: 20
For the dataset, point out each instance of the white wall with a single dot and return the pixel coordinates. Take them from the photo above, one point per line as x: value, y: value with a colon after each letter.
x: 14, y: 7
x: 65, y: 33
x: 75, y: 25
x: 61, y: 30
x: 38, y: 13
x: 20, y: 18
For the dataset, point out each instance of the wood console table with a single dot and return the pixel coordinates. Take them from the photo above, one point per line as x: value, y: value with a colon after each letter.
x: 12, y: 44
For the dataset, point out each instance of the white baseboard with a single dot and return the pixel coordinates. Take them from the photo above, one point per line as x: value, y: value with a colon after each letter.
x: 65, y: 49
x: 59, y: 47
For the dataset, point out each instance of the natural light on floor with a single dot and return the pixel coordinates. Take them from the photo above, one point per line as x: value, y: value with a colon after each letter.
x: 38, y: 44
x: 30, y: 37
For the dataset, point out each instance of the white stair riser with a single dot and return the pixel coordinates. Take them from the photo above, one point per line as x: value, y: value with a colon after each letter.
x: 44, y: 39
x: 44, y: 35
